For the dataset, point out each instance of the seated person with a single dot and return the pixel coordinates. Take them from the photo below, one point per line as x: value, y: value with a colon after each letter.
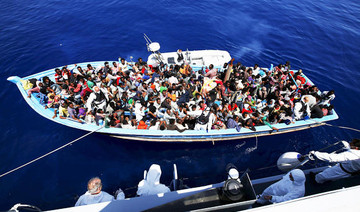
x: 172, y: 126
x: 95, y: 195
x: 290, y: 187
x: 151, y: 184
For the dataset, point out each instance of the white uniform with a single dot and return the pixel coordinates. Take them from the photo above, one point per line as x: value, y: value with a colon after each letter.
x: 87, y: 198
x: 349, y: 160
x: 151, y: 185
x: 285, y: 189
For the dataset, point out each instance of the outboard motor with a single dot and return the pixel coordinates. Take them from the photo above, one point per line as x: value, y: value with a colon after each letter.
x: 232, y: 190
x: 289, y: 161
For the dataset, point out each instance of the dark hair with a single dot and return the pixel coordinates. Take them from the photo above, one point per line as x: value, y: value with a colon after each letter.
x: 171, y: 121
x: 356, y: 142
x: 162, y: 127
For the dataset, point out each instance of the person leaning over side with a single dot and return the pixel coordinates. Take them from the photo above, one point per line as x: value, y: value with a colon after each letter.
x: 348, y: 163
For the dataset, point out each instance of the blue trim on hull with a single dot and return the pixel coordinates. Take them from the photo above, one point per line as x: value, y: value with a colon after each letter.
x: 166, y: 135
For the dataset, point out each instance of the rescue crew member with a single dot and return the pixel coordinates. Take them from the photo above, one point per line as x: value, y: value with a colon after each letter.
x: 290, y: 187
x: 348, y: 163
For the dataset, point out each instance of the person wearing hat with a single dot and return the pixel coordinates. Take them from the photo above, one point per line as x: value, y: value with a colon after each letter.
x: 291, y: 186
x: 348, y: 163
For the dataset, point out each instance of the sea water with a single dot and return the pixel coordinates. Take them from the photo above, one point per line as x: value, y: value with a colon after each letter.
x: 320, y: 37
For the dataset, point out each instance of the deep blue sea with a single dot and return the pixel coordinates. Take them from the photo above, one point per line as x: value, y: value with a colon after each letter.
x: 321, y: 37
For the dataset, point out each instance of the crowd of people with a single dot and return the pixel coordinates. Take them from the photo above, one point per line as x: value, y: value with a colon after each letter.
x: 178, y: 97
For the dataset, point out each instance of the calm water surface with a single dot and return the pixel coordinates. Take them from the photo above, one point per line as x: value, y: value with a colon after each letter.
x: 321, y: 37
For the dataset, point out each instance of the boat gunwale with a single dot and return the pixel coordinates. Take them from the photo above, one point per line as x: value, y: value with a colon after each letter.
x: 166, y: 135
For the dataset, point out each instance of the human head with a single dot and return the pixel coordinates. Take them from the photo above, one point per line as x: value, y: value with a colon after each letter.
x: 172, y: 121
x: 306, y: 99
x: 355, y: 143
x: 297, y: 176
x: 94, y: 185
x: 96, y: 89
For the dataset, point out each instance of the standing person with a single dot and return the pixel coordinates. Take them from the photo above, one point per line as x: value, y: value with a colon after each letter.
x: 348, y: 163
x: 290, y: 187
x: 97, y: 99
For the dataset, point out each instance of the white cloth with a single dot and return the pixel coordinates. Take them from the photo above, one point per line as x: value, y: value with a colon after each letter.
x: 298, y: 106
x: 207, y: 126
x: 124, y: 67
x: 139, y: 112
x: 349, y: 159
x: 173, y: 80
x: 151, y: 185
x: 312, y: 100
x: 87, y: 198
x: 285, y: 189
x: 92, y: 98
x: 327, y: 100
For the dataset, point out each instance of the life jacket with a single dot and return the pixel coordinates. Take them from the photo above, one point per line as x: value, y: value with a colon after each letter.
x: 180, y: 57
x: 302, y: 79
x: 303, y: 106
x: 202, y: 119
x: 100, y: 98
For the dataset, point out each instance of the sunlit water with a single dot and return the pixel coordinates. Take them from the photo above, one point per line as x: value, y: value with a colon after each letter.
x: 321, y: 37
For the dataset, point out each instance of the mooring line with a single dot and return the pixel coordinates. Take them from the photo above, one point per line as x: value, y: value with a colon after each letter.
x: 342, y: 127
x: 51, y: 152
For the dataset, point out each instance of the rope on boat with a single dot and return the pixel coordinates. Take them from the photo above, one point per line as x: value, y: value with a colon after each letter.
x: 51, y: 152
x: 342, y: 127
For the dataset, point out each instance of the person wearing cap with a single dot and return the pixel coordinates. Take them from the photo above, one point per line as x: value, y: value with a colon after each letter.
x: 94, y: 194
x: 291, y: 186
x: 348, y: 163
